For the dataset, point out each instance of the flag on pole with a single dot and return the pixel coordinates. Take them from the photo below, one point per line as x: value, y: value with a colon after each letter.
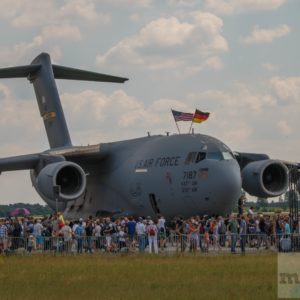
x: 182, y: 116
x: 200, y: 116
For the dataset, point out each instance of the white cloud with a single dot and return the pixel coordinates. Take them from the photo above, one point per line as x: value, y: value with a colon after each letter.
x: 26, y: 13
x: 164, y: 33
x: 183, y: 2
x: 287, y: 89
x: 167, y: 43
x: 131, y: 3
x: 241, y: 6
x: 266, y: 35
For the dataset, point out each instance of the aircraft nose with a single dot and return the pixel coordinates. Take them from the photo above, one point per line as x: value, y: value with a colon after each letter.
x: 222, y: 187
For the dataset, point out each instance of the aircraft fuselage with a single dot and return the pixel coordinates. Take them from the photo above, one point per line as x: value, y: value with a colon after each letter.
x: 173, y: 175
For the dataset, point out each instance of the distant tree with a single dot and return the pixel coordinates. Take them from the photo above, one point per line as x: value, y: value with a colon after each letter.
x: 261, y: 202
x: 35, y: 209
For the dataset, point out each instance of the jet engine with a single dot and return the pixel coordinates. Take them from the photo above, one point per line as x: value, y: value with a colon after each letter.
x: 265, y: 178
x: 68, y: 176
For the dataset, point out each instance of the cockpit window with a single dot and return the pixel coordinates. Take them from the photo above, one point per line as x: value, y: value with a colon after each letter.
x: 215, y: 155
x: 219, y: 155
x: 195, y: 157
x: 227, y: 155
x: 200, y: 156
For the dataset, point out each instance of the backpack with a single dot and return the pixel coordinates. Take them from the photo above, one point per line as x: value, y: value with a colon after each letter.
x: 152, y: 231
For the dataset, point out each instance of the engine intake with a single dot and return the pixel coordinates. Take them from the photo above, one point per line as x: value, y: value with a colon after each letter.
x: 69, y: 176
x: 265, y: 178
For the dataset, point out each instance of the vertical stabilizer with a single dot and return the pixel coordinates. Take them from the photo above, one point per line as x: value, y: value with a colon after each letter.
x: 41, y: 74
x: 49, y: 102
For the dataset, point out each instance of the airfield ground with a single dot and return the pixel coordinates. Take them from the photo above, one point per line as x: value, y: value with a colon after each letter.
x: 224, y: 276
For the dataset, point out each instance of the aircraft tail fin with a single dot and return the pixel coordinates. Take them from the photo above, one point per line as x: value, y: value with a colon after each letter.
x: 41, y: 73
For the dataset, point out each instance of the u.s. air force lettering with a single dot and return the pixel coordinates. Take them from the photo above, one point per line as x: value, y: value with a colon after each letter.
x: 168, y: 161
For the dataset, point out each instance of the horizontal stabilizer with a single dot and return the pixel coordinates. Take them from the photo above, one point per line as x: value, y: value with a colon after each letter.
x: 21, y: 71
x: 21, y: 162
x: 61, y: 72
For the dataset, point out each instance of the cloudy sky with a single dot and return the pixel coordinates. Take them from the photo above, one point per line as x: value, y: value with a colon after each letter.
x: 238, y: 59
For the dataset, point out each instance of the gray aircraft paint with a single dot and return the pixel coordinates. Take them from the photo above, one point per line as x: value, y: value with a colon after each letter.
x: 184, y: 174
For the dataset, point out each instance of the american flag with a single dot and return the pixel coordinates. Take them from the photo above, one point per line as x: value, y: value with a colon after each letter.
x: 181, y: 116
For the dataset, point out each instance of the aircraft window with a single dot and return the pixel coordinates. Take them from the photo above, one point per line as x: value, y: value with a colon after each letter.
x: 227, y: 155
x: 200, y: 156
x: 195, y: 157
x: 215, y: 155
x: 191, y: 157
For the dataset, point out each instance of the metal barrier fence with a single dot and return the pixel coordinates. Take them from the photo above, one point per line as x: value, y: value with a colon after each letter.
x: 139, y: 244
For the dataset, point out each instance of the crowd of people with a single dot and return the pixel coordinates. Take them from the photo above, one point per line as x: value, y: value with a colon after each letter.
x: 202, y: 233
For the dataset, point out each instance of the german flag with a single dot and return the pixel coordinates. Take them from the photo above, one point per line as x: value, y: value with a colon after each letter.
x: 200, y: 116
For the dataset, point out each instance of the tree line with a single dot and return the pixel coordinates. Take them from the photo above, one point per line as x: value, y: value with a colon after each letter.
x: 35, y: 209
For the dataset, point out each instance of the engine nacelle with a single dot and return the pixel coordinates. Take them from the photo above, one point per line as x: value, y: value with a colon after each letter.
x: 265, y: 178
x: 69, y: 176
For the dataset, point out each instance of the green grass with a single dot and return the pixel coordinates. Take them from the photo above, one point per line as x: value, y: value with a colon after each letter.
x: 138, y: 277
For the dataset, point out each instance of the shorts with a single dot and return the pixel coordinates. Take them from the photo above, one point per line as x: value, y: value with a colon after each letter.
x: 39, y: 240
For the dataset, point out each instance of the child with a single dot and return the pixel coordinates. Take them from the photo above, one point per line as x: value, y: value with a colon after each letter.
x: 31, y: 243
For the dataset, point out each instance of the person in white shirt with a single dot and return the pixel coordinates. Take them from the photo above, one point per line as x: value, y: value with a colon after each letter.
x: 140, y: 229
x: 67, y: 234
x: 152, y: 236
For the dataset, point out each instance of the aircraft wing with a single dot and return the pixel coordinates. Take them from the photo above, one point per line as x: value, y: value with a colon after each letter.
x: 21, y: 162
x: 245, y: 158
x: 31, y: 161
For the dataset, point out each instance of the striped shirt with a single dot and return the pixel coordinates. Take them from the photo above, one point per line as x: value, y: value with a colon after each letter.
x: 3, y: 231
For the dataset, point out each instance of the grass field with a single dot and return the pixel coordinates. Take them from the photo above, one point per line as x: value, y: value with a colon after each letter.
x: 138, y: 277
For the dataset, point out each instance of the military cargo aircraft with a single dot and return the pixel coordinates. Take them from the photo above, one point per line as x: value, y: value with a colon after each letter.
x: 183, y: 174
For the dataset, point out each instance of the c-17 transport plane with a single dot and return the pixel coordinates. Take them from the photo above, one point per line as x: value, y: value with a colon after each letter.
x: 184, y: 174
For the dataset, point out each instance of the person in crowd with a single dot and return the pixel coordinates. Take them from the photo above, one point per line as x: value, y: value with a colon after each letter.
x: 181, y: 234
x: 67, y: 234
x: 107, y: 232
x: 89, y: 229
x: 222, y: 231
x: 37, y: 233
x: 216, y: 235
x: 31, y: 245
x: 152, y: 230
x: 162, y: 232
x: 243, y: 234
x: 98, y: 234
x: 16, y: 234
x: 193, y: 234
x: 3, y: 237
x: 233, y: 228
x: 141, y: 234
x: 79, y: 235
x: 130, y: 227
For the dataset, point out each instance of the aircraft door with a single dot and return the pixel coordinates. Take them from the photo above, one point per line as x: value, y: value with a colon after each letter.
x: 154, y: 204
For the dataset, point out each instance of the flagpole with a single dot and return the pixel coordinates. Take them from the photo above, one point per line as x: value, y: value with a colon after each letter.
x: 192, y: 123
x: 175, y: 122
